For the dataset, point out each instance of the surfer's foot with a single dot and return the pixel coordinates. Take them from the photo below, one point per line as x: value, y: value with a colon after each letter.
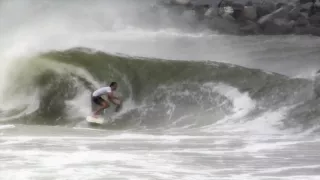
x: 95, y: 115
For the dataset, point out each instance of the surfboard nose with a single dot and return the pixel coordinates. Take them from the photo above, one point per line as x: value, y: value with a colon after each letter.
x: 91, y: 119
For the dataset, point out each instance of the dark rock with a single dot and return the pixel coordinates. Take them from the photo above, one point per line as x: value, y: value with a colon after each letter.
x: 294, y: 13
x: 226, y: 10
x: 311, y: 30
x: 280, y: 5
x: 256, y: 16
x: 211, y: 12
x: 304, y: 14
x: 228, y: 17
x: 249, y: 3
x: 279, y: 13
x: 224, y: 25
x: 302, y: 21
x: 250, y: 27
x: 207, y: 3
x: 225, y: 3
x: 237, y: 6
x: 181, y: 2
x: 315, y: 20
x: 265, y: 9
x: 278, y: 26
x: 316, y: 84
x: 237, y: 14
x: 314, y: 30
x: 306, y: 7
x: 200, y: 11
x: 305, y: 1
x: 234, y: 9
x: 250, y: 12
x: 313, y: 10
x: 290, y: 7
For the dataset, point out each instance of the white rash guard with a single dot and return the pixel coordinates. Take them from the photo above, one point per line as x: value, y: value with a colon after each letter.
x: 102, y: 91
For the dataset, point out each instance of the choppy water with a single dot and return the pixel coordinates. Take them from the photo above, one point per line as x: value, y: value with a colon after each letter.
x: 77, y: 154
x: 238, y: 108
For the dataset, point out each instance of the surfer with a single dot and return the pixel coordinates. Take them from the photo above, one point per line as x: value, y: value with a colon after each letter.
x: 102, y: 103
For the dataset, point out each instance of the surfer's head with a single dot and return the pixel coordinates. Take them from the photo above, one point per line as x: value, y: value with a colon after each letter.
x: 113, y: 86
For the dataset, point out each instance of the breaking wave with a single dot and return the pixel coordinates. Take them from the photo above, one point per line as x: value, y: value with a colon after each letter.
x: 158, y: 93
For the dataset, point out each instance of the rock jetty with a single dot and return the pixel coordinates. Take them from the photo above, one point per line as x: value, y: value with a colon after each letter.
x: 257, y: 16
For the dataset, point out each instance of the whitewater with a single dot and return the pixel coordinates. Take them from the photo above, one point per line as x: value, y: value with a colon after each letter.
x: 198, y: 104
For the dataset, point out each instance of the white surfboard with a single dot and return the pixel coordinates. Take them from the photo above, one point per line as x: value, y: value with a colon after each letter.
x: 101, y: 120
x: 91, y: 119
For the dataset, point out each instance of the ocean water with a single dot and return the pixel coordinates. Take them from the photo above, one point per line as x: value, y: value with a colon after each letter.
x: 198, y: 103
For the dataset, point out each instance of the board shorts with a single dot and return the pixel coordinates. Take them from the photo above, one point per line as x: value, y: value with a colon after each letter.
x: 97, y: 100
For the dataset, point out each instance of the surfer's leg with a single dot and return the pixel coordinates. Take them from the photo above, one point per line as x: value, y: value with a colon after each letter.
x: 102, y: 104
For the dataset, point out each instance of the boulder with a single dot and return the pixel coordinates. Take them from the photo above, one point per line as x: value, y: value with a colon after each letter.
x: 256, y: 16
x: 237, y: 6
x: 294, y: 13
x: 200, y: 10
x: 311, y: 30
x: 181, y: 2
x: 302, y: 21
x: 314, y: 9
x: 306, y: 7
x: 265, y: 9
x: 278, y: 26
x: 228, y: 17
x: 225, y: 10
x: 250, y: 12
x: 207, y: 3
x: 237, y: 14
x: 304, y: 14
x: 223, y: 25
x: 249, y: 3
x: 233, y: 9
x: 280, y: 5
x: 212, y: 11
x: 315, y: 19
x: 250, y: 27
x: 305, y: 1
x: 224, y: 3
x: 280, y: 13
x: 316, y: 84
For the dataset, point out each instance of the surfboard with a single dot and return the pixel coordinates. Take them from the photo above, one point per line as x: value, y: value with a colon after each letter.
x: 100, y: 120
x: 91, y: 119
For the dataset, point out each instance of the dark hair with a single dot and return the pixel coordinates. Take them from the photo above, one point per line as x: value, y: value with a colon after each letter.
x: 112, y: 84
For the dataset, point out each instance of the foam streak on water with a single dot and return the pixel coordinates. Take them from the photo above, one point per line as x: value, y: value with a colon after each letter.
x: 144, y: 156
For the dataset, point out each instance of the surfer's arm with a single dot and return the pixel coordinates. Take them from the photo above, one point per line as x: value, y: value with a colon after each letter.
x: 112, y: 98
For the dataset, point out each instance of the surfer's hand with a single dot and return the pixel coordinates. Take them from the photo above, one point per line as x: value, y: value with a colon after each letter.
x: 119, y: 101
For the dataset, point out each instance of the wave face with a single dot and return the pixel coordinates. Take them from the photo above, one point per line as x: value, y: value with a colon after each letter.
x: 46, y: 80
x: 158, y: 93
